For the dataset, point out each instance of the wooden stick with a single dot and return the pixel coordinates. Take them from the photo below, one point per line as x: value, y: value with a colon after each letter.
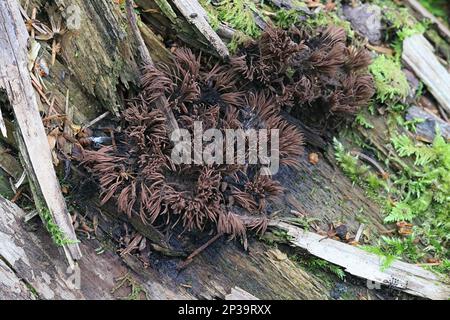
x: 400, y: 275
x: 424, y: 13
x: 196, y: 15
x: 419, y: 55
x: 68, y: 132
x: 146, y: 59
x: 15, y: 79
x: 197, y: 251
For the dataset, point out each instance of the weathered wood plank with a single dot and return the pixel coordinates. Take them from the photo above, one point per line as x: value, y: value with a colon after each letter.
x: 15, y: 79
x: 400, y: 275
x: 418, y: 54
x: 198, y: 17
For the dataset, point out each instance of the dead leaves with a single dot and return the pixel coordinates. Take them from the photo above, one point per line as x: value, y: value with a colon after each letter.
x: 40, y: 31
x: 313, y: 158
x: 404, y: 228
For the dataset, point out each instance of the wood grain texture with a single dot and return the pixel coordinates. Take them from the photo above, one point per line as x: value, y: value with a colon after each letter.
x: 400, y: 275
x: 30, y: 257
x: 419, y: 55
x: 198, y: 17
x: 100, y: 54
x: 15, y: 79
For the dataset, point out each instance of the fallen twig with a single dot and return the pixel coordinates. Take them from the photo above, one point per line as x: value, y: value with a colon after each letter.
x: 197, y: 251
x: 94, y: 121
x: 418, y: 53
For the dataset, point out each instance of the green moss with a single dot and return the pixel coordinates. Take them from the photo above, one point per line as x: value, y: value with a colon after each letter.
x: 317, y: 266
x: 276, y: 236
x: 348, y: 163
x: 240, y: 15
x: 362, y: 121
x: 286, y: 18
x: 440, y: 44
x: 400, y: 24
x: 386, y: 259
x: 325, y: 19
x: 213, y: 19
x: 390, y: 82
x: 167, y: 10
x: 239, y: 38
x: 437, y: 8
x: 58, y: 236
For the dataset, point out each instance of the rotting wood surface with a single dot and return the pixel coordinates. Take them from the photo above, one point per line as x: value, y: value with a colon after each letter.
x: 321, y: 191
x: 15, y: 80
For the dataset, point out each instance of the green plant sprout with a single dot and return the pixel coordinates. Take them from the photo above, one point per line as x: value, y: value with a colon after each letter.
x: 58, y: 236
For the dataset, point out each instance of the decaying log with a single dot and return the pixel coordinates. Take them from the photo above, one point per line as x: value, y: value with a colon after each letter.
x: 31, y: 267
x: 400, y: 275
x: 419, y: 55
x: 15, y: 79
x: 101, y: 45
x: 224, y: 265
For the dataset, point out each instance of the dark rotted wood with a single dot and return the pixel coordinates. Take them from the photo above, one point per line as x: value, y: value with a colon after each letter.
x: 224, y: 265
x: 323, y: 192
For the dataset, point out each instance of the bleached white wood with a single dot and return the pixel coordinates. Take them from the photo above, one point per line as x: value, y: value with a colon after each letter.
x: 400, y: 275
x: 419, y: 55
x: 15, y: 80
x: 197, y: 16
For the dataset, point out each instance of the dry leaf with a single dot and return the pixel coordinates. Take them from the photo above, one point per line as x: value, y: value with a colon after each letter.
x: 313, y: 158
